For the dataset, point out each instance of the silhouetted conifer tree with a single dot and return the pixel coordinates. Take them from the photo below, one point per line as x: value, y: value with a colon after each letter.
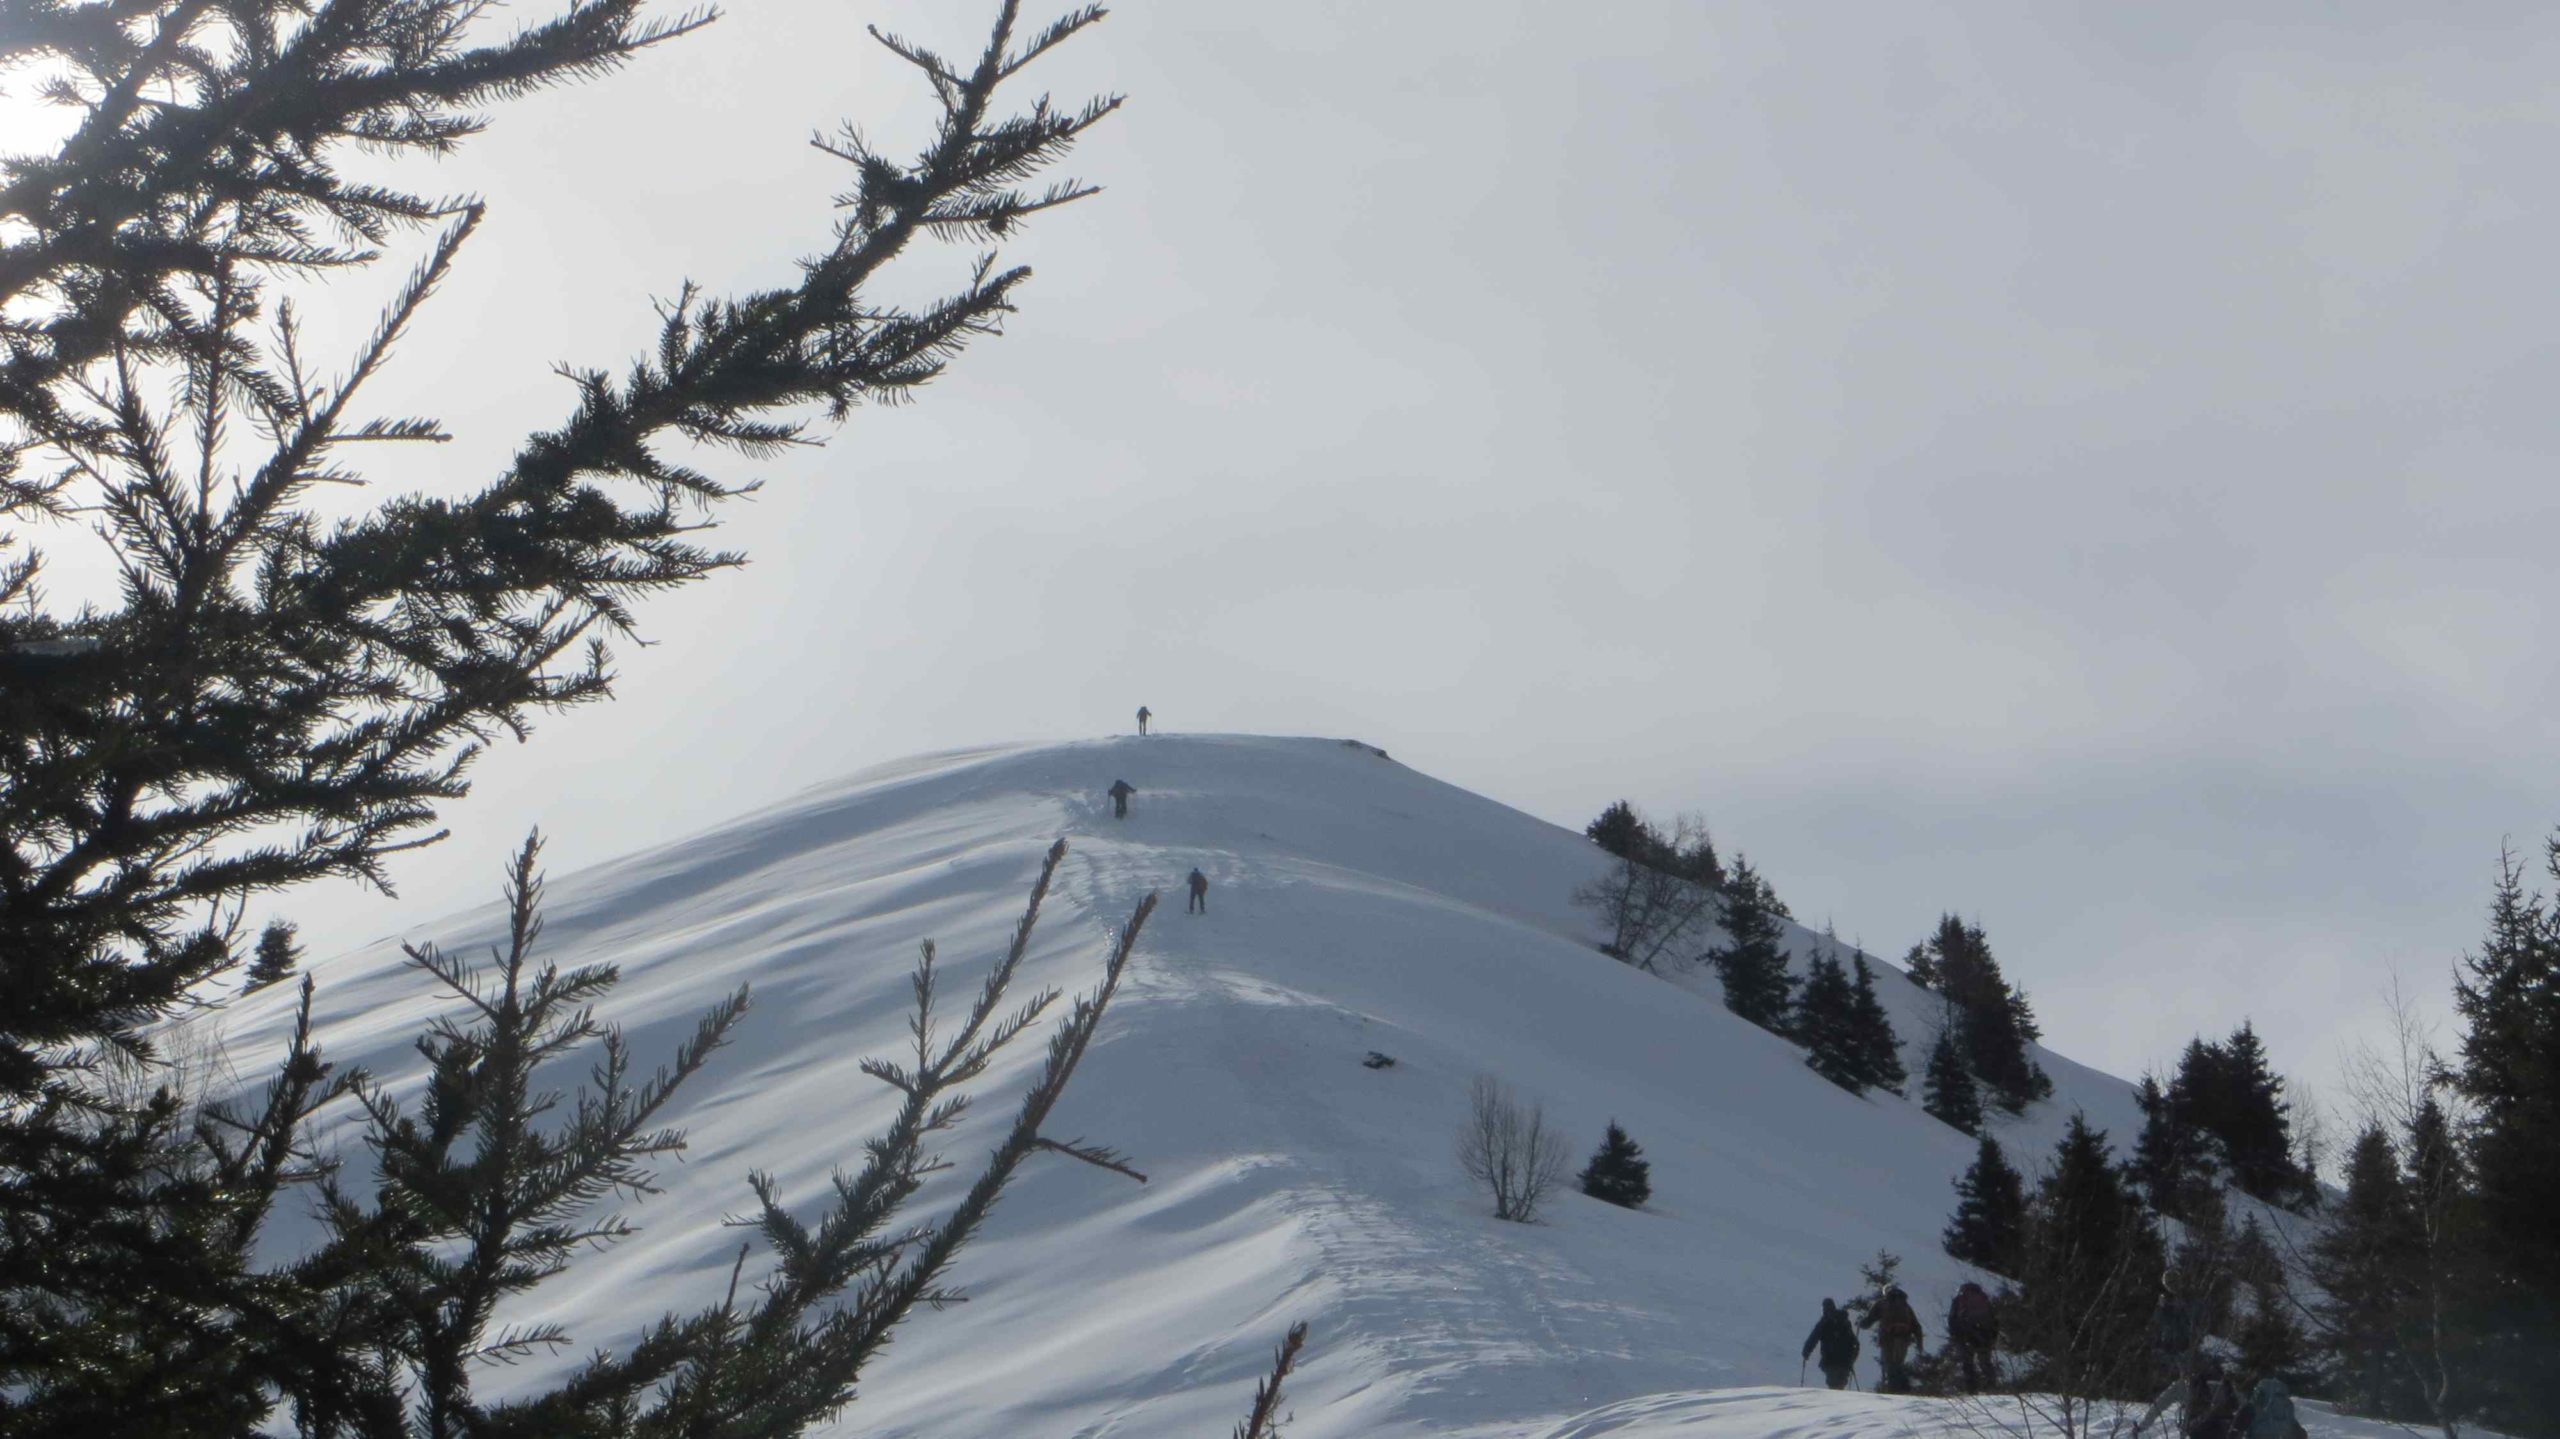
x: 2365, y: 1262
x: 1826, y: 1024
x: 2265, y: 1321
x: 1879, y: 1049
x: 288, y: 688
x: 2089, y: 1279
x: 1623, y: 832
x: 1753, y: 967
x: 2169, y: 1159
x: 1991, y: 1210
x: 1946, y: 1087
x: 2507, y: 995
x: 276, y: 955
x: 1618, y: 1171
x: 2227, y: 1094
x: 2257, y: 1137
x: 1994, y: 1023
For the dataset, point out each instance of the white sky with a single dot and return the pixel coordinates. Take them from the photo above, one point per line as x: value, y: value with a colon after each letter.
x: 2086, y: 468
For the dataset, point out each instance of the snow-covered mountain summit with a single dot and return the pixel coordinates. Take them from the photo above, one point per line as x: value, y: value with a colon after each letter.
x: 1355, y: 905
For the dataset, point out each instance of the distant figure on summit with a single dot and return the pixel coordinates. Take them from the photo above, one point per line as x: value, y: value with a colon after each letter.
x: 1199, y: 892
x: 1121, y: 789
x: 1144, y: 714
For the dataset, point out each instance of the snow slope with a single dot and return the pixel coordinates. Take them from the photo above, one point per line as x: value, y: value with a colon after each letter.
x: 1356, y: 905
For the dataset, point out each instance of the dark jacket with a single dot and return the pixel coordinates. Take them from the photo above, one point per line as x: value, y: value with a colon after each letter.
x: 1893, y: 1319
x: 1970, y: 1319
x: 1838, y: 1341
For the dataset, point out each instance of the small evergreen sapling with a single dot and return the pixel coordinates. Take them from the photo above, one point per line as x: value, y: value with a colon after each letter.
x: 1875, y: 1276
x: 1618, y: 1171
x: 276, y: 956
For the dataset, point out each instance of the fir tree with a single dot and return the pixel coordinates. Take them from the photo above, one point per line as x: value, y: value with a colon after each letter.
x: 1694, y: 857
x: 1752, y: 882
x: 2264, y: 1323
x: 1618, y: 1172
x: 2257, y: 1130
x: 1878, y: 1048
x: 1922, y: 967
x: 1946, y: 1087
x: 277, y: 954
x: 1991, y: 1209
x: 2365, y: 1264
x: 2090, y: 1274
x: 1623, y: 832
x: 2169, y: 1158
x: 2452, y: 1345
x: 2507, y: 996
x: 288, y: 688
x: 2227, y: 1101
x: 1753, y: 967
x: 1826, y: 1024
x: 1994, y: 1023
x: 1875, y: 1276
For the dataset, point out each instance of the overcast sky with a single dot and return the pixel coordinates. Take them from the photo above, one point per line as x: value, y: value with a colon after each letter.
x: 2088, y: 468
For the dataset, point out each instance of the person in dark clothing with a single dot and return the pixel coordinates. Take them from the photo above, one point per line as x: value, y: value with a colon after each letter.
x: 1972, y: 1329
x: 2173, y: 1329
x: 1199, y: 892
x: 1144, y: 714
x: 1897, y: 1332
x: 1838, y: 1342
x: 2211, y: 1404
x: 1121, y: 789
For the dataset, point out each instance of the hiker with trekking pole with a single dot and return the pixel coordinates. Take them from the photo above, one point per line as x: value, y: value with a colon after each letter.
x: 1839, y: 1345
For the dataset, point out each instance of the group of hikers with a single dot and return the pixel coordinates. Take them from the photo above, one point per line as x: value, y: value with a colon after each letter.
x: 1120, y: 791
x: 2211, y: 1403
x: 1972, y: 1330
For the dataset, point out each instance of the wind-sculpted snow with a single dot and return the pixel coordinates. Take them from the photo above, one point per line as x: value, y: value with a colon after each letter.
x: 1355, y: 905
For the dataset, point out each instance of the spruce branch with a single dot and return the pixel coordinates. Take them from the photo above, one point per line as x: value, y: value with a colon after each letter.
x: 1263, y: 1420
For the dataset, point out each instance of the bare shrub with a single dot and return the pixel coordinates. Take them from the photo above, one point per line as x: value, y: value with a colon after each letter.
x: 1648, y: 901
x: 1509, y: 1150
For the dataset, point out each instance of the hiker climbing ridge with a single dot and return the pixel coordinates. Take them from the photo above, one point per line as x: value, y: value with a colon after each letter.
x: 1838, y: 1342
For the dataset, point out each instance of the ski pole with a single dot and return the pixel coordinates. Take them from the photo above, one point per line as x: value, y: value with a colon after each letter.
x: 1800, y: 1366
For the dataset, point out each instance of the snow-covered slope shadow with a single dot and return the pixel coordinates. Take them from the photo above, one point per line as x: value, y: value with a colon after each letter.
x: 1355, y: 906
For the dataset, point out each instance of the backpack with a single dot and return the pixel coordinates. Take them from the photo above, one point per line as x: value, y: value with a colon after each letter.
x: 1839, y: 1341
x: 2271, y: 1411
x: 1971, y: 1319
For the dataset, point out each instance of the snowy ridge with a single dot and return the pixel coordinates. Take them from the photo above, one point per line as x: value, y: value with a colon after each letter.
x: 1356, y: 905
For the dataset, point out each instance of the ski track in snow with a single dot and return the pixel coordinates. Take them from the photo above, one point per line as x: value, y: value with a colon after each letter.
x: 1354, y: 905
